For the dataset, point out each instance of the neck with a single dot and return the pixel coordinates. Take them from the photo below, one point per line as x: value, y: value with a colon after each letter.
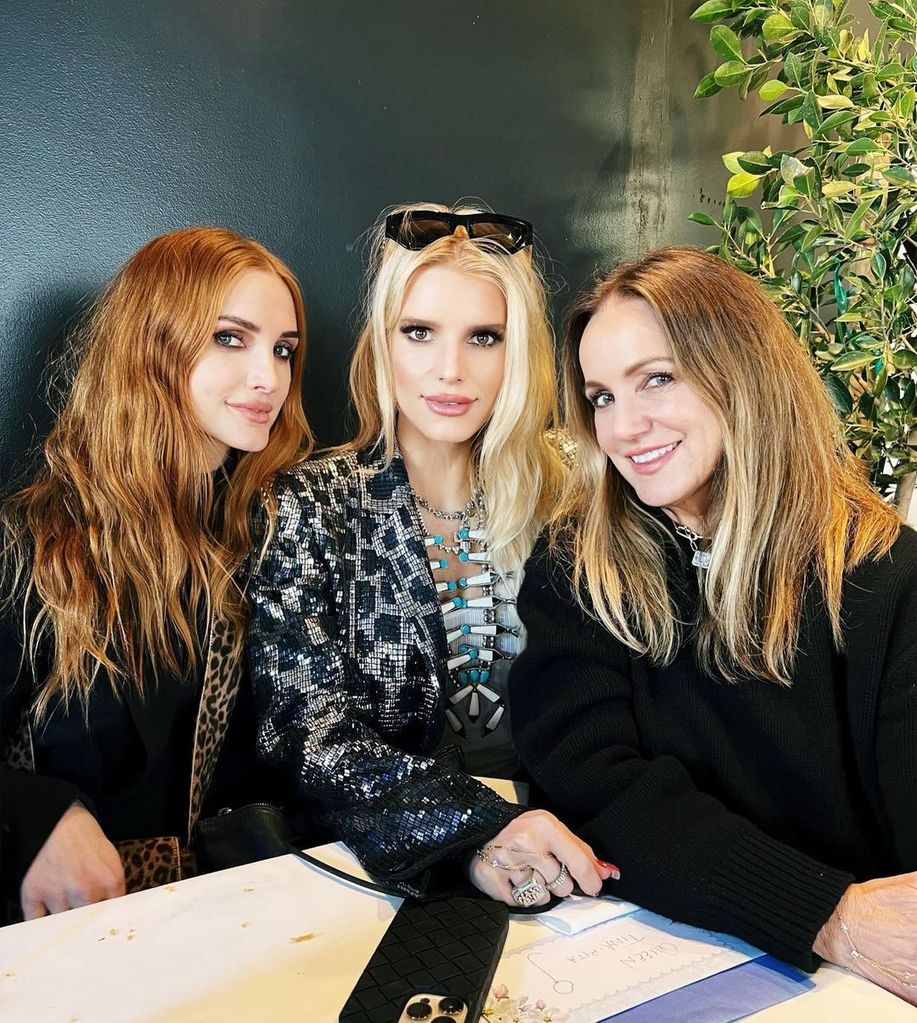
x: 440, y: 472
x: 691, y: 519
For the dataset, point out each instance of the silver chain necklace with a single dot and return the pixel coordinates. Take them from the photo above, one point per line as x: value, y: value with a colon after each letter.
x: 700, y: 559
x: 463, y: 513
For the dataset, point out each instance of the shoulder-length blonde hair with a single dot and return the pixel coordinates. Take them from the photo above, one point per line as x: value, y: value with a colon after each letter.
x: 791, y: 504
x: 518, y: 467
x: 117, y: 543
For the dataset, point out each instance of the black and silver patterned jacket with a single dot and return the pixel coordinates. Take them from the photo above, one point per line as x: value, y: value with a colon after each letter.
x: 347, y: 654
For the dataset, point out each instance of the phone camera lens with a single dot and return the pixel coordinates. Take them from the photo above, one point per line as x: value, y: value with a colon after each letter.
x: 451, y: 1006
x: 419, y: 1010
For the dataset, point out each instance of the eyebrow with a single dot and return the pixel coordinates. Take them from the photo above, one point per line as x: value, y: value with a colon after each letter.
x: 422, y: 321
x: 637, y: 366
x: 248, y: 325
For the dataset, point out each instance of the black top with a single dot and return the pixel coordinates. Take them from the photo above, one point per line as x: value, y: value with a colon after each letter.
x: 128, y: 761
x: 746, y: 807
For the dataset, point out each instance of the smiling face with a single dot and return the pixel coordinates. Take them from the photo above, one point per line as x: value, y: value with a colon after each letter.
x: 447, y: 355
x: 240, y: 382
x: 652, y: 424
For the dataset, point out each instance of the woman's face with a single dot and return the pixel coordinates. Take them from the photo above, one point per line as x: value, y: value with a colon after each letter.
x: 447, y: 355
x: 240, y: 382
x: 653, y: 425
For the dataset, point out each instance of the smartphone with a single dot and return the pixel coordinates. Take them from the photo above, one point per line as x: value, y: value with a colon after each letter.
x: 433, y: 965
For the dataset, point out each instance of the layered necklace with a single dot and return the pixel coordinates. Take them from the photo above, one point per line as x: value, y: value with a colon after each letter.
x: 472, y: 644
x: 700, y: 558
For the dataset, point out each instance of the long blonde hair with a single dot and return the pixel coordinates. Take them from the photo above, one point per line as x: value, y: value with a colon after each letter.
x: 519, y: 468
x: 791, y: 505
x: 119, y: 540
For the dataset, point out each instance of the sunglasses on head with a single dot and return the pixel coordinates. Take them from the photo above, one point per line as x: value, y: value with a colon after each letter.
x: 415, y: 229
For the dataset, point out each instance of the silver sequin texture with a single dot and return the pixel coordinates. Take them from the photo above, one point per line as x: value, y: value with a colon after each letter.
x: 347, y: 656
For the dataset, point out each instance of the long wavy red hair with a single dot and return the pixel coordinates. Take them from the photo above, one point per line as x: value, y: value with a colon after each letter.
x: 122, y: 539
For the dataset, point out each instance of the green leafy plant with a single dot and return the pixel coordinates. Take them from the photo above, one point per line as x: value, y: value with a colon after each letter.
x: 831, y: 238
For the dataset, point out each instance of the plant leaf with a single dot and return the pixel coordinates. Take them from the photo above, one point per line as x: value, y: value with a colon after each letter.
x: 853, y: 360
x: 712, y: 10
x: 777, y: 29
x: 731, y: 161
x: 840, y: 396
x: 905, y: 359
x: 832, y: 189
x: 791, y: 168
x: 741, y: 185
x: 702, y: 218
x: 861, y: 146
x: 900, y: 176
x: 707, y: 86
x: 858, y: 216
x: 772, y: 90
x: 730, y: 73
x: 835, y: 120
x: 755, y: 163
x: 726, y: 43
x: 834, y: 102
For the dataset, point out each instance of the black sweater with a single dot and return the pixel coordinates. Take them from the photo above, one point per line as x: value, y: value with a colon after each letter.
x: 749, y: 807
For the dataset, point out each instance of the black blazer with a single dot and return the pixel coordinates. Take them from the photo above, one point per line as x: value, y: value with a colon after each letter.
x: 347, y: 655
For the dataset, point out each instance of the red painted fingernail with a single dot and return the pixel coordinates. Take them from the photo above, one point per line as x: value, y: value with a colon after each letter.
x: 612, y: 871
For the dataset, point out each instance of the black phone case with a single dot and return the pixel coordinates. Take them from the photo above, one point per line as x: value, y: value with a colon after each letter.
x: 449, y: 946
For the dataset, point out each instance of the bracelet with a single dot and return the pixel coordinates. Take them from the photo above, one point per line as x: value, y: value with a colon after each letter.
x: 903, y: 977
x: 483, y: 855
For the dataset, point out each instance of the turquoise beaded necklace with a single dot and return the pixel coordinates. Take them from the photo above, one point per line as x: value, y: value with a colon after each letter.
x: 472, y: 646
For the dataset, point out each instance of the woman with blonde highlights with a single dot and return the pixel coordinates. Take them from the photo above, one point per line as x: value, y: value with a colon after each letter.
x: 122, y: 564
x: 720, y: 682
x: 384, y: 620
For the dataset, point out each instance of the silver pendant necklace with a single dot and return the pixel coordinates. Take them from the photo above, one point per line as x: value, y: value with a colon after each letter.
x: 700, y: 559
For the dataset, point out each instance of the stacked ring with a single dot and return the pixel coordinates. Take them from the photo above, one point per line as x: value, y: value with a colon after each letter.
x: 559, y: 880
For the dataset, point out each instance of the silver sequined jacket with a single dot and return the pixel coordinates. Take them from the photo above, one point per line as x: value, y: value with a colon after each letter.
x: 347, y: 654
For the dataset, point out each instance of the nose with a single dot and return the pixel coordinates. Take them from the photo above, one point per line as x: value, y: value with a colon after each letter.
x: 451, y: 361
x: 263, y: 370
x: 629, y: 419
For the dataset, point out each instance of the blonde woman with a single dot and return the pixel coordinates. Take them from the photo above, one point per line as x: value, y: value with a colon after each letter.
x: 384, y: 619
x: 721, y: 676
x: 123, y: 557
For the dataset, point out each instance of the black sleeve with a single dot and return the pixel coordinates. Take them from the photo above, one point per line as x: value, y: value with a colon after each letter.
x: 881, y: 634
x: 399, y: 812
x: 30, y: 805
x: 681, y: 852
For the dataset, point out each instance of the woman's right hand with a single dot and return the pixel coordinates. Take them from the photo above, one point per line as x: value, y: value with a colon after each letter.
x: 76, y: 866
x: 881, y: 921
x: 537, y: 841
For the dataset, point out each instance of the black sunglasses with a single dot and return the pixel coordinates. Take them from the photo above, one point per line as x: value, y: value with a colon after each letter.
x: 415, y: 229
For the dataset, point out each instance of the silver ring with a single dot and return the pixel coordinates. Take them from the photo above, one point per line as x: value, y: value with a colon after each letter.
x: 529, y: 893
x: 559, y: 880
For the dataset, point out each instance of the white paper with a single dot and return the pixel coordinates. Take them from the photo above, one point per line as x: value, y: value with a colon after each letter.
x: 580, y: 912
x: 589, y: 976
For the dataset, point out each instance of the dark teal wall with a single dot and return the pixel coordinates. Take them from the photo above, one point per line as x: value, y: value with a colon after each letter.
x: 296, y: 121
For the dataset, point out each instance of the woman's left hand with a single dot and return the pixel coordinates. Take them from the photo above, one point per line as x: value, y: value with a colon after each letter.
x: 535, y: 856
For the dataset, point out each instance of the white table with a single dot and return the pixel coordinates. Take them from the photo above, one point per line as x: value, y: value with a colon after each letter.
x: 275, y: 941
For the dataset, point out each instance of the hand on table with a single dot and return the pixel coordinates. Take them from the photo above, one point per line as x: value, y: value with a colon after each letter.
x: 76, y: 866
x: 881, y: 921
x: 536, y: 846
